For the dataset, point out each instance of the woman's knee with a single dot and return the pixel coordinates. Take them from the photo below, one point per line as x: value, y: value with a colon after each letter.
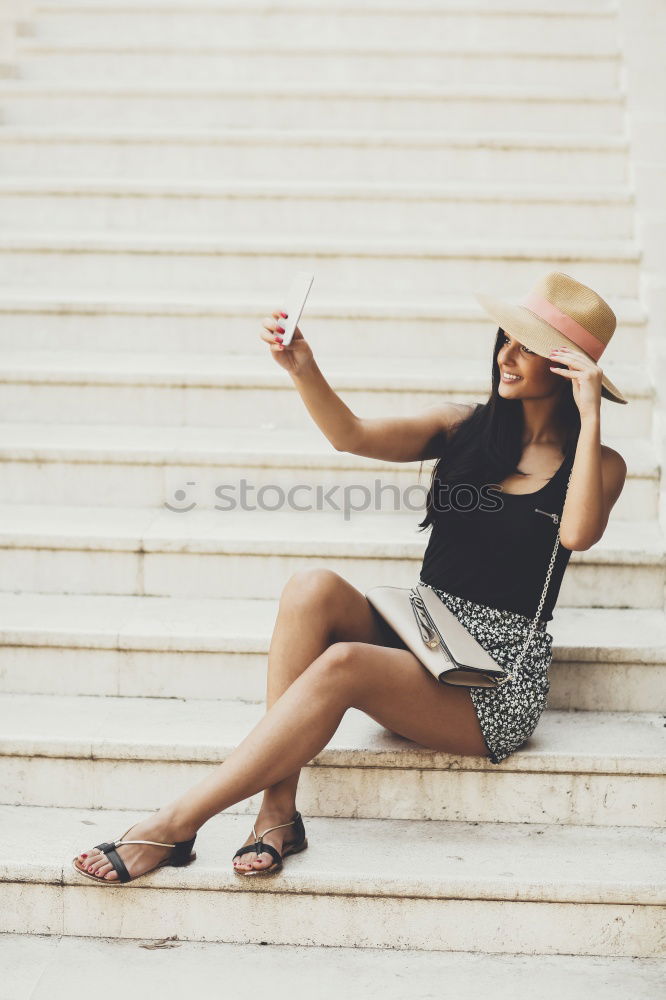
x: 311, y: 586
x: 340, y: 665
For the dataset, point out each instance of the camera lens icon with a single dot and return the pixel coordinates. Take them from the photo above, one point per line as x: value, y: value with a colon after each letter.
x: 180, y: 496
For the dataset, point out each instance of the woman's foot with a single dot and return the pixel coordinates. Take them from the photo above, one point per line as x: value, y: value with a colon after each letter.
x: 137, y: 858
x: 268, y: 816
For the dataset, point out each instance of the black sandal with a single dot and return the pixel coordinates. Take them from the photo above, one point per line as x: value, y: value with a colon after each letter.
x: 293, y: 847
x: 181, y: 855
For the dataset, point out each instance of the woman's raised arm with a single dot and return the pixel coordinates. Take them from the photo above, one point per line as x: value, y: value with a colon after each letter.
x: 391, y: 439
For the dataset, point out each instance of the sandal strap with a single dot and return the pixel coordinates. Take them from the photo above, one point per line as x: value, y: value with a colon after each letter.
x: 267, y: 848
x: 116, y: 861
x: 154, y: 843
x: 258, y: 847
x: 290, y: 823
x: 246, y: 849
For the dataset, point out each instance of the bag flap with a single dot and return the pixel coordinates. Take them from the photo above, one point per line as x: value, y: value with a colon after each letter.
x: 464, y: 648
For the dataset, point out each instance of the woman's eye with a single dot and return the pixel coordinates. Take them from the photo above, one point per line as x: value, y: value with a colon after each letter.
x: 526, y: 349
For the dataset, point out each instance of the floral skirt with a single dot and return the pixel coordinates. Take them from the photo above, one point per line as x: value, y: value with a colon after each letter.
x: 509, y: 714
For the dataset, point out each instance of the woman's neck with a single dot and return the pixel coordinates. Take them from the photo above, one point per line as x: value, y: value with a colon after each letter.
x: 541, y: 426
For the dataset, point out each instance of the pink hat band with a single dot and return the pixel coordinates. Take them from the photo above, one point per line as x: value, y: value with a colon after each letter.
x: 564, y: 324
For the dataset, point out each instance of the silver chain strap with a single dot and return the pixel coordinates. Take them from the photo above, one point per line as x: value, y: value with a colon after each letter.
x: 511, y: 674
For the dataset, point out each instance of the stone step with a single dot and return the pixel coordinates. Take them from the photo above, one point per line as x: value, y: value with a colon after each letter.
x: 537, y: 8
x: 301, y: 154
x: 604, y: 659
x: 113, y: 465
x: 248, y: 553
x: 601, y: 768
x: 297, y: 105
x: 437, y: 329
x: 495, y: 888
x: 188, y: 264
x: 587, y: 28
x: 315, y: 208
x: 57, y: 967
x: 447, y: 63
x: 254, y: 391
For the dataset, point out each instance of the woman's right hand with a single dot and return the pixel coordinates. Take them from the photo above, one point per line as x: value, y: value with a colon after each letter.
x: 293, y: 357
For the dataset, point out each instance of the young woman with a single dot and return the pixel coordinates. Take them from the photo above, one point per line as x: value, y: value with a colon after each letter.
x: 331, y: 651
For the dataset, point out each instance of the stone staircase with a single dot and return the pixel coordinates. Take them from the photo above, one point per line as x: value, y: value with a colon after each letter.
x: 165, y: 168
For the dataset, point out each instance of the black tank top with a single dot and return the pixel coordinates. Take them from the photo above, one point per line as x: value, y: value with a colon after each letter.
x: 497, y: 551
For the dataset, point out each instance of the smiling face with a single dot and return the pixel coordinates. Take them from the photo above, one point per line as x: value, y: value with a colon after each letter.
x: 534, y: 377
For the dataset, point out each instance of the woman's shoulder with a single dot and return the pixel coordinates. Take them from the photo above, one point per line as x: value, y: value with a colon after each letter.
x: 614, y: 473
x: 612, y: 457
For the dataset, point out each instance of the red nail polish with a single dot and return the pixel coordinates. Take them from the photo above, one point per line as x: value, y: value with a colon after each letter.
x: 84, y: 855
x: 284, y: 315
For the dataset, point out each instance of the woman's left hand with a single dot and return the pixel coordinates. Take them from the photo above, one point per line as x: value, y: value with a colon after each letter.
x: 586, y: 376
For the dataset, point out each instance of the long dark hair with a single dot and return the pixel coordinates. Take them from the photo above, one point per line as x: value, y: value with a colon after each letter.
x: 487, y: 445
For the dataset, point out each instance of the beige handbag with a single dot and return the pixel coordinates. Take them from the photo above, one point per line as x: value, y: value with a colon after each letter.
x: 439, y: 640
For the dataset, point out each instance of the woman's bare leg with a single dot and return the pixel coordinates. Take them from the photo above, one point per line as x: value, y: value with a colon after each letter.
x: 317, y: 607
x: 390, y: 685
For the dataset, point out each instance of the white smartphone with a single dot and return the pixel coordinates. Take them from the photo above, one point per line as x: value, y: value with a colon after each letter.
x: 294, y: 303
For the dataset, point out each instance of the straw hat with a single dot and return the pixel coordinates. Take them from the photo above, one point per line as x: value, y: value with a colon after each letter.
x: 559, y: 312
